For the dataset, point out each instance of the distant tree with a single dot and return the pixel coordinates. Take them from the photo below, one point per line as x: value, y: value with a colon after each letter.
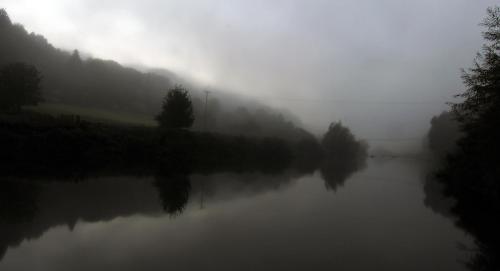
x: 177, y: 109
x: 19, y: 85
x: 340, y: 142
x: 75, y: 60
x: 344, y: 155
x: 4, y: 18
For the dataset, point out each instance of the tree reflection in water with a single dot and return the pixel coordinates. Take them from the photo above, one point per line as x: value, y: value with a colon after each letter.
x: 174, y: 190
x: 30, y: 207
x: 336, y: 171
x: 470, y: 214
x: 18, y: 206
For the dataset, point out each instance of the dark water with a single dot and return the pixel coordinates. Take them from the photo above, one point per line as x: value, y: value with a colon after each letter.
x: 384, y: 217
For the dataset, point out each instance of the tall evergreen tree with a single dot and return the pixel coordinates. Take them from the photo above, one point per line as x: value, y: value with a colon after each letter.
x: 177, y: 109
x: 479, y: 115
x: 472, y: 175
x: 482, y: 96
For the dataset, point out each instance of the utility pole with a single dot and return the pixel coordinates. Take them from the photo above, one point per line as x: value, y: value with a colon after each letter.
x: 202, y: 195
x: 206, y: 107
x: 204, y: 129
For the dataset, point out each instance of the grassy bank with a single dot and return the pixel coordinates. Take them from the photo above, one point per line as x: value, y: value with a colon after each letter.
x: 92, y: 114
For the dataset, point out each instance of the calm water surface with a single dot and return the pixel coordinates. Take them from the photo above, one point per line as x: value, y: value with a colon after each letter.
x: 384, y: 217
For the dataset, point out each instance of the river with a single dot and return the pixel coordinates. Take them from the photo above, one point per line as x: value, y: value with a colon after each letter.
x: 386, y: 216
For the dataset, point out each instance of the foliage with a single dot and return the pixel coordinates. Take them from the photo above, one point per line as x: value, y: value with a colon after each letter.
x: 339, y: 142
x: 476, y: 164
x: 482, y: 96
x: 472, y: 174
x: 343, y: 155
x: 19, y: 85
x: 443, y: 134
x: 177, y: 110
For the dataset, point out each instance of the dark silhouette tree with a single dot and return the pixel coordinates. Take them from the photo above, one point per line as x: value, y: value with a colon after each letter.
x: 344, y: 155
x: 339, y: 142
x: 482, y: 96
x: 476, y: 164
x: 177, y: 109
x: 75, y: 61
x: 19, y: 85
x: 472, y: 175
x: 173, y: 190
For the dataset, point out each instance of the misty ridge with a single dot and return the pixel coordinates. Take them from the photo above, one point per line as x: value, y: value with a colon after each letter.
x: 71, y: 79
x: 61, y: 88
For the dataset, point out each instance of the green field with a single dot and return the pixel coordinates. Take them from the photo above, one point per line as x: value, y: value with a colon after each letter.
x: 92, y: 114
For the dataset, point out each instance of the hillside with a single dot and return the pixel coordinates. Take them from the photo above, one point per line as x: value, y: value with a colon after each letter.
x: 72, y: 81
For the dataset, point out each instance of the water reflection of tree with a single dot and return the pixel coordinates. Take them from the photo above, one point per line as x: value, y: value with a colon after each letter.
x: 467, y: 214
x: 336, y: 171
x: 471, y: 213
x: 18, y: 205
x: 485, y: 227
x: 18, y: 201
x: 174, y: 190
x: 343, y: 155
x: 435, y: 198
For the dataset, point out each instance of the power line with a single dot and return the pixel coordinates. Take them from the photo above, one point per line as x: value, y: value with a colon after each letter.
x: 354, y: 101
x: 345, y: 101
x: 394, y: 139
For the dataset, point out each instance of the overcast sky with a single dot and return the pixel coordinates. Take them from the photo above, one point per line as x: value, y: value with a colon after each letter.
x: 383, y: 67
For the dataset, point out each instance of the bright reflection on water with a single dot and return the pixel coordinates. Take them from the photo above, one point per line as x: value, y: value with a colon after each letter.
x: 378, y: 219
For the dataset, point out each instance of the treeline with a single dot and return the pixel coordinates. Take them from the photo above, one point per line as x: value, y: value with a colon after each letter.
x: 36, y: 144
x: 471, y: 173
x: 69, y: 78
x: 444, y: 134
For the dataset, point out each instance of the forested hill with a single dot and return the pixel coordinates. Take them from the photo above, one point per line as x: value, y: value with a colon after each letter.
x: 71, y: 79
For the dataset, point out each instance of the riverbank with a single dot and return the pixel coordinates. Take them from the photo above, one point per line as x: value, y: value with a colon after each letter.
x: 37, y: 144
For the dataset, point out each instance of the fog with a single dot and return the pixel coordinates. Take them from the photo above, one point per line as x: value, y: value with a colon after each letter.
x: 383, y: 68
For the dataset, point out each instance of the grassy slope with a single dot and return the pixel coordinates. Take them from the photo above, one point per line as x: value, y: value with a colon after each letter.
x: 92, y: 114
